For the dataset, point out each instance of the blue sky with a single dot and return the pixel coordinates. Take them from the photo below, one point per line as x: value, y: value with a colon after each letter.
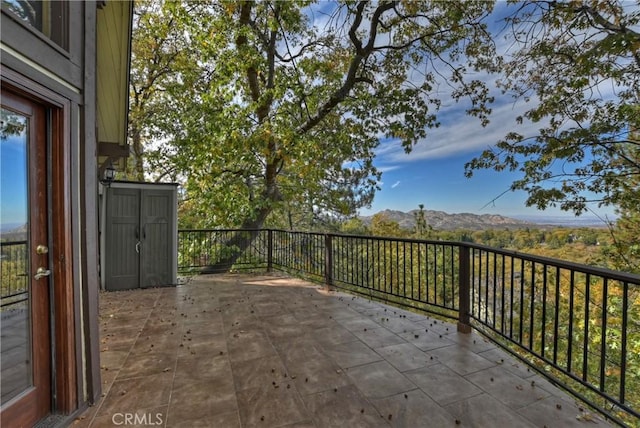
x: 13, y: 181
x: 433, y: 173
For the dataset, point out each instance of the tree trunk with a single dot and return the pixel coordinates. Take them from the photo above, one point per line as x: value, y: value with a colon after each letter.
x: 239, y: 243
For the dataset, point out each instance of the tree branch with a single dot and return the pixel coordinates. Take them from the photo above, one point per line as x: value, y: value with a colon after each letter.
x: 354, y: 67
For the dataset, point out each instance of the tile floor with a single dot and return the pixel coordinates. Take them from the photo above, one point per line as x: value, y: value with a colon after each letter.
x: 243, y: 350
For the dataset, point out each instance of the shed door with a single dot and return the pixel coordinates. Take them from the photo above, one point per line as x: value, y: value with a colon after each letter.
x: 156, y: 225
x: 123, y: 239
x: 139, y: 241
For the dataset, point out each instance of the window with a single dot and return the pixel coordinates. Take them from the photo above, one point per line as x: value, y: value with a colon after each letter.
x: 47, y: 16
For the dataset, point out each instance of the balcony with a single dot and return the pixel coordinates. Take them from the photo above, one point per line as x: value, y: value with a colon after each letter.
x: 335, y: 349
x: 242, y: 350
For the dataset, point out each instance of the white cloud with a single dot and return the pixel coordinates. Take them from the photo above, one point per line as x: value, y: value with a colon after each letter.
x: 460, y: 134
x: 396, y: 184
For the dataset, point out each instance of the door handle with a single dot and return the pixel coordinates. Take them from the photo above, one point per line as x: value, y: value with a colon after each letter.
x: 41, y: 273
x: 138, y: 247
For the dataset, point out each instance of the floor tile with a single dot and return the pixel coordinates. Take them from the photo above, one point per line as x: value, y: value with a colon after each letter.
x: 343, y: 407
x: 378, y: 337
x: 270, y: 406
x: 405, y: 356
x: 379, y: 379
x: 413, y: 409
x: 442, y: 384
x: 352, y: 354
x: 425, y: 340
x: 144, y: 364
x: 259, y: 372
x: 249, y: 344
x: 484, y: 411
x: 334, y: 335
x: 460, y: 361
x: 130, y: 395
x: 511, y: 390
x: 554, y: 412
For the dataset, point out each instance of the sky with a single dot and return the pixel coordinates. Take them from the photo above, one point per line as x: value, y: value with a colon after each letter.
x: 13, y: 181
x: 433, y: 173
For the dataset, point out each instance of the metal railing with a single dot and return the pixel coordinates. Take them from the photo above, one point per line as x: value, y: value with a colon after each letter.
x: 14, y: 264
x: 579, y: 325
x: 198, y: 249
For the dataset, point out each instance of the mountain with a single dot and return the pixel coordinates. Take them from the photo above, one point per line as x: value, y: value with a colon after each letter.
x: 13, y: 232
x: 441, y: 220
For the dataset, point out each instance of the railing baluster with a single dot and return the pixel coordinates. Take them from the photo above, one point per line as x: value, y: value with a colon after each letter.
x: 532, y: 298
x: 495, y: 286
x: 511, y: 293
x: 570, y: 333
x: 543, y: 324
x: 603, y: 337
x: 420, y: 271
x: 585, y: 342
x: 521, y: 322
x: 556, y: 320
x: 502, y: 292
x: 328, y: 257
x: 270, y: 250
x: 623, y: 344
x: 464, y: 321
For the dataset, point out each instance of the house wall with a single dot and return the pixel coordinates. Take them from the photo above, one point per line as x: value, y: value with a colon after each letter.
x: 67, y: 82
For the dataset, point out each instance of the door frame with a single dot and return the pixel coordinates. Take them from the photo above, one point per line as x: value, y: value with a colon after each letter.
x: 64, y: 300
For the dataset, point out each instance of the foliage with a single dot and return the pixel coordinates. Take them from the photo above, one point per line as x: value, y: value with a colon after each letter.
x: 162, y: 64
x: 290, y: 99
x: 11, y: 124
x: 578, y: 63
x: 625, y: 251
x: 14, y: 266
x: 422, y: 230
x: 382, y: 225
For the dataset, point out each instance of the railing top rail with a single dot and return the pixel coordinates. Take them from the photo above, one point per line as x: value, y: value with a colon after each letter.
x: 611, y: 274
x: 221, y: 230
x: 8, y: 243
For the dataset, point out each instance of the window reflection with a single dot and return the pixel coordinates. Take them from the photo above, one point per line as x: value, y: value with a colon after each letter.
x: 16, y: 369
x: 48, y: 16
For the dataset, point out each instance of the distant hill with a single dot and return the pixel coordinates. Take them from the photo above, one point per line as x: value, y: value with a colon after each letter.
x: 14, y: 232
x: 441, y: 220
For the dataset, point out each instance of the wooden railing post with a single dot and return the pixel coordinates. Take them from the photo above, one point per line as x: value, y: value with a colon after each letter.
x: 328, y: 260
x: 464, y: 290
x: 269, y: 250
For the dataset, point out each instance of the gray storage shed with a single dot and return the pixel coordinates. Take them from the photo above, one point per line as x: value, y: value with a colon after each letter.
x: 139, y: 235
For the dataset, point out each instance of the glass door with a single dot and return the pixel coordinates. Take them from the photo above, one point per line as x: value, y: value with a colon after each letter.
x: 25, y: 352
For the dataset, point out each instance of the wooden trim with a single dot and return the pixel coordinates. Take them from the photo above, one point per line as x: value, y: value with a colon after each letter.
x: 67, y: 394
x: 88, y: 194
x: 113, y: 150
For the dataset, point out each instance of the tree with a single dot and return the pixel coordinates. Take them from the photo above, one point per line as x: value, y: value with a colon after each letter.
x: 294, y: 108
x: 354, y: 226
x: 578, y: 62
x: 162, y: 64
x: 422, y: 229
x: 625, y: 251
x: 382, y: 225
